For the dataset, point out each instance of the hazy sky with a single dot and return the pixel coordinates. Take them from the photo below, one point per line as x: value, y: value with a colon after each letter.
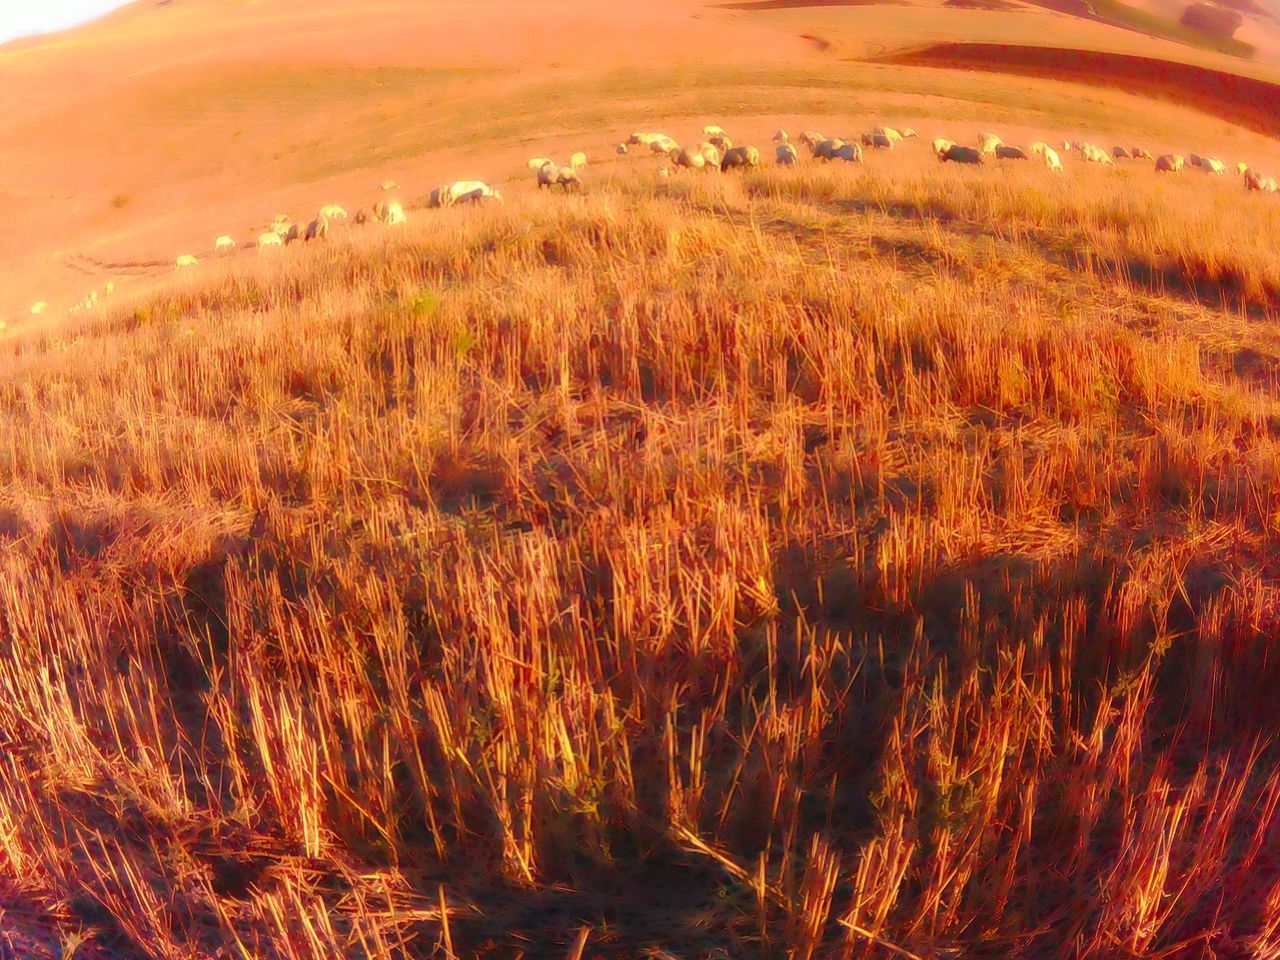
x: 21, y: 17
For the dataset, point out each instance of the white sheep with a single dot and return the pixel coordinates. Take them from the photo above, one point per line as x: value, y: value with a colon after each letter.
x: 470, y: 191
x: 1242, y: 167
x: 811, y: 138
x: 186, y: 260
x: 268, y: 240
x: 1048, y: 154
x: 890, y: 133
x: 786, y: 154
x: 826, y: 149
x: 987, y: 143
x: 537, y: 163
x: 1169, y: 163
x: 333, y: 212
x: 711, y: 130
x: 1095, y: 154
x: 879, y: 141
x: 1120, y: 153
x: 389, y: 212
x: 941, y: 145
x: 1256, y: 181
x: 646, y: 139
x: 690, y: 159
x: 224, y: 245
x: 551, y: 175
x: 109, y: 289
x: 39, y: 307
x: 781, y: 136
x: 1213, y: 165
x: 851, y: 152
x: 1139, y: 153
x: 578, y: 160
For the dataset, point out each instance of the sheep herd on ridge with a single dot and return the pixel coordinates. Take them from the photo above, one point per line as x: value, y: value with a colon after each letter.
x: 716, y: 152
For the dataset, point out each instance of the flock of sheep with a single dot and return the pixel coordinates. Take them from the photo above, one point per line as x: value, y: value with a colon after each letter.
x: 716, y: 152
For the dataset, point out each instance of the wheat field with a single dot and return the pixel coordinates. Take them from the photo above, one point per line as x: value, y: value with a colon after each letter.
x: 840, y: 562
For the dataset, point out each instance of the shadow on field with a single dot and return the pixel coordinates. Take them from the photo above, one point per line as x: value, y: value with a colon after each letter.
x: 1238, y: 99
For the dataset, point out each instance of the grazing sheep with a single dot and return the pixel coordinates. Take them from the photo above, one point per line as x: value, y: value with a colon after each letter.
x: 781, y: 136
x: 468, y: 191
x: 1048, y: 154
x: 1066, y: 146
x: 224, y: 245
x: 786, y: 155
x: 537, y: 163
x: 39, y: 307
x: 1138, y: 153
x: 711, y: 130
x: 826, y: 149
x: 987, y: 143
x: 268, y: 240
x: 1213, y: 165
x: 1170, y: 163
x: 811, y: 138
x: 646, y: 139
x: 689, y: 158
x: 1095, y: 154
x: 578, y: 160
x: 941, y: 145
x: 317, y: 229
x: 1004, y: 152
x: 389, y: 212
x: 959, y: 154
x: 333, y: 212
x: 1256, y: 181
x: 554, y: 176
x: 663, y: 146
x: 388, y: 185
x: 280, y: 224
x: 621, y: 150
x: 889, y: 133
x: 879, y: 141
x: 743, y: 156
x: 852, y: 152
x: 711, y: 153
x: 293, y: 234
x: 185, y: 260
x: 1120, y: 153
x: 909, y: 133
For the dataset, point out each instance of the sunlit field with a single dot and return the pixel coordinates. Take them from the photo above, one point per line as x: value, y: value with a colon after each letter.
x: 833, y: 562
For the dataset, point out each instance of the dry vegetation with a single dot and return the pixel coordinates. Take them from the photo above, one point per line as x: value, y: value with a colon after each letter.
x: 821, y: 564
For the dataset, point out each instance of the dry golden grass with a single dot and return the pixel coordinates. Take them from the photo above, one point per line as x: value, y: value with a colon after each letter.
x: 828, y: 563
